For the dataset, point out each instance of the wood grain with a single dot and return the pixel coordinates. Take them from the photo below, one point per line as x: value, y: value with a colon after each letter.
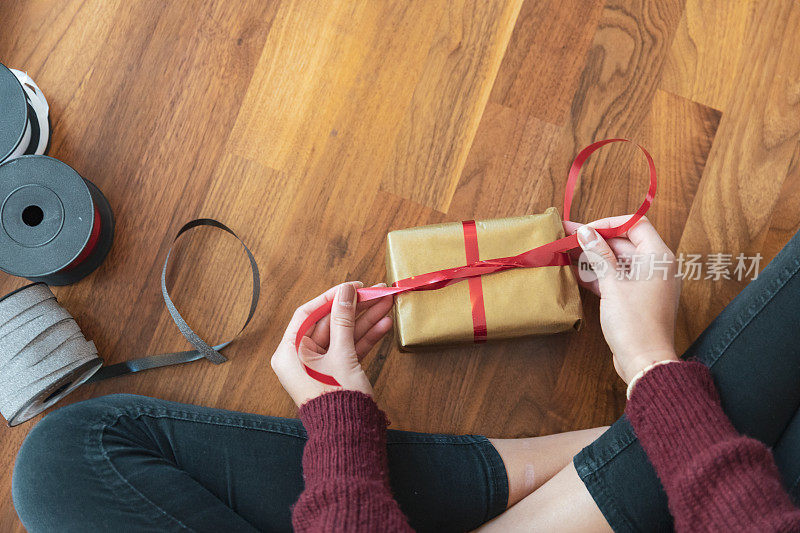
x: 547, y: 51
x: 448, y: 101
x: 314, y: 128
x: 704, y: 58
x: 786, y: 215
x: 740, y: 189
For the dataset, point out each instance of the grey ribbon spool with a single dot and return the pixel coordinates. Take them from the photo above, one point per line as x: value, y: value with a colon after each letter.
x: 44, y: 355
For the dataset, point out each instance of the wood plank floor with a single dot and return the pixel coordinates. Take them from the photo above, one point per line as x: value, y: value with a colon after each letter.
x: 314, y: 128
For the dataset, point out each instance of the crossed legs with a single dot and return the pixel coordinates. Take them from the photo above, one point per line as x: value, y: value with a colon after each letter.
x: 545, y: 491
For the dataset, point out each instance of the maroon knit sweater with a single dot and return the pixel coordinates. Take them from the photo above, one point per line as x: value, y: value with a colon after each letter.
x: 345, y: 468
x: 715, y: 479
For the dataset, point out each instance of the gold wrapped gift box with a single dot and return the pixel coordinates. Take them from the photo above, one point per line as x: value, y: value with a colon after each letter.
x: 518, y: 302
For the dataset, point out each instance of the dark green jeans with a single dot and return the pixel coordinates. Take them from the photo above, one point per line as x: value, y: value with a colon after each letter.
x: 130, y: 463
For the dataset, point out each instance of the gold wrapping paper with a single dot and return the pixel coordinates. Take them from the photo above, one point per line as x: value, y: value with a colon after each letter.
x: 518, y: 302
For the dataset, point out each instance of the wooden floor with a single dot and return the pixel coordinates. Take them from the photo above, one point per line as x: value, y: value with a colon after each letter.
x: 313, y: 128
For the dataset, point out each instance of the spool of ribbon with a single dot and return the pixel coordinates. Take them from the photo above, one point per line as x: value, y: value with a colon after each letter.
x: 25, y: 126
x: 546, y: 255
x: 57, y: 227
x: 44, y: 355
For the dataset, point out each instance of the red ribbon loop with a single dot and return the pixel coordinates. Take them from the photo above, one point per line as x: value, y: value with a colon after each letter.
x: 550, y: 254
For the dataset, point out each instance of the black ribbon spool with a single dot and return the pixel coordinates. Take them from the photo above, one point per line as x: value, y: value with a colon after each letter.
x: 16, y: 116
x: 55, y: 226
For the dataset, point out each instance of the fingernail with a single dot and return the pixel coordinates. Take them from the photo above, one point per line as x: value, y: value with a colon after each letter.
x: 587, y: 236
x: 347, y: 293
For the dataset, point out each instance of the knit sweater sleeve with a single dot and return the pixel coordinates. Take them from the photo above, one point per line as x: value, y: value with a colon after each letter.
x: 345, y: 467
x: 715, y: 478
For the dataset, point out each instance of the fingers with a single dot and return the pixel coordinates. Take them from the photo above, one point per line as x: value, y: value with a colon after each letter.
x: 310, y: 350
x: 599, y: 253
x: 302, y: 312
x: 610, y: 222
x: 605, y: 223
x: 621, y: 247
x: 591, y: 286
x: 321, y: 334
x: 644, y: 235
x: 343, y: 319
x: 373, y: 315
x: 373, y: 336
x: 309, y: 354
x: 571, y: 227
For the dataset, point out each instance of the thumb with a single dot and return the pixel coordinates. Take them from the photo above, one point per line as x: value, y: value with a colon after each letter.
x: 599, y: 255
x: 343, y: 318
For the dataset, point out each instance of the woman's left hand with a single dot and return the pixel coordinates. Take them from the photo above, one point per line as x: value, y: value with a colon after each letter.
x: 334, y: 346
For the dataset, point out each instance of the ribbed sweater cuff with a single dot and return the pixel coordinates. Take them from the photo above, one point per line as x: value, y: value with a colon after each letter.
x: 346, y: 436
x: 675, y: 411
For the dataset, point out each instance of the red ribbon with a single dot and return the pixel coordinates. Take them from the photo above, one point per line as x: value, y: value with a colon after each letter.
x: 475, y: 284
x: 91, y: 244
x: 552, y: 253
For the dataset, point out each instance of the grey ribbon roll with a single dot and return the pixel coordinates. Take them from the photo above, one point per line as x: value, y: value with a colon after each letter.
x: 44, y: 355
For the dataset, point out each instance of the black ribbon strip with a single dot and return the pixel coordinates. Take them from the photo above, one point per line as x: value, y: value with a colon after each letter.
x: 202, y: 348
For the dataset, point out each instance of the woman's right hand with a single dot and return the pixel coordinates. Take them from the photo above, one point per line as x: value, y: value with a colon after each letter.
x: 637, y: 307
x: 334, y: 346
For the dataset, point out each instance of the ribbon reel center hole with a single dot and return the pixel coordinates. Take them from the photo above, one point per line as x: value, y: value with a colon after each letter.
x: 32, y: 215
x: 56, y: 392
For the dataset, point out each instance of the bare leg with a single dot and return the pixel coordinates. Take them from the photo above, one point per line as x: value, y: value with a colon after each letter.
x: 532, y: 462
x: 562, y: 504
